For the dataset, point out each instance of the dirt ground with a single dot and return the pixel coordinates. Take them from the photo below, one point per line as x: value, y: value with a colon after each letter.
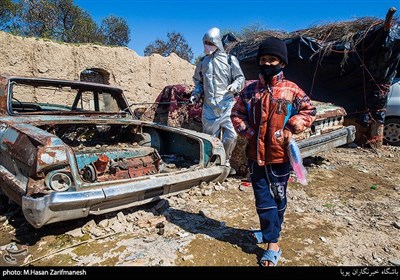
x: 347, y: 215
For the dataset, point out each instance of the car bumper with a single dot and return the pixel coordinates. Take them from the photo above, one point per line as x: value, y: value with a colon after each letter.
x: 63, y: 206
x: 327, y: 141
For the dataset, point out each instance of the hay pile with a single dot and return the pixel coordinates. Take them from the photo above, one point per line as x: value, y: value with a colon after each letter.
x: 324, y: 34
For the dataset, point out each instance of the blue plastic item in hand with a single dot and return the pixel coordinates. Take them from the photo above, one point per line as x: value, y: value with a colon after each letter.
x: 297, y: 162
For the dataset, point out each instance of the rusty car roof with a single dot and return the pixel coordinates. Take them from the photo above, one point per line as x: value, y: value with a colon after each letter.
x: 60, y: 82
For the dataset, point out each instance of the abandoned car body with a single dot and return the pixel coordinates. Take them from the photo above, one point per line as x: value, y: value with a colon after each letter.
x: 326, y: 132
x: 69, y: 149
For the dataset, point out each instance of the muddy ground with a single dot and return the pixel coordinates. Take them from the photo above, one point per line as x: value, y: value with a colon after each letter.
x: 347, y: 215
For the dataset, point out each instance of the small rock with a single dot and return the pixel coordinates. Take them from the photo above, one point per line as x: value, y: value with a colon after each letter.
x: 96, y: 232
x: 121, y: 217
x: 206, y: 192
x: 242, y: 188
x: 160, y: 225
x: 117, y: 227
x: 149, y: 239
x: 188, y: 257
x: 386, y: 249
x: 77, y: 232
x: 183, y: 195
x: 103, y: 223
x: 319, y: 209
x: 337, y: 213
x: 182, y: 234
x: 395, y: 262
x: 323, y: 239
x: 156, y: 220
x: 396, y: 225
x: 143, y: 224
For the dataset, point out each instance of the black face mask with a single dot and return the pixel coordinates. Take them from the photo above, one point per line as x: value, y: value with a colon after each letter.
x: 270, y: 70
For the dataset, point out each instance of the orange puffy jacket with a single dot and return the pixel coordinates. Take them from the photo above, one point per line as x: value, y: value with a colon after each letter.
x: 261, y: 110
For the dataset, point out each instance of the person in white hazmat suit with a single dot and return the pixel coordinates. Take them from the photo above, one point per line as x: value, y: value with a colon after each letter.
x: 218, y: 78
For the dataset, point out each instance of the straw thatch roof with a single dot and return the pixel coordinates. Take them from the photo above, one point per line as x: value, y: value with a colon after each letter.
x: 323, y: 34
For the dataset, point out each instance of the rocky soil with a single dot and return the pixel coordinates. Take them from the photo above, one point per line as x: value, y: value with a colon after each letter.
x: 347, y: 215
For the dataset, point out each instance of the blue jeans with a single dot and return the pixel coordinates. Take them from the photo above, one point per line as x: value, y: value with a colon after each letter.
x: 269, y: 186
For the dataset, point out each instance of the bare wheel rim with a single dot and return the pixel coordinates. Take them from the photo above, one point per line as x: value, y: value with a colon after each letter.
x: 391, y: 132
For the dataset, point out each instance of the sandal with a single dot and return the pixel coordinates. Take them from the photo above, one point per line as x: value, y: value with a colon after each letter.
x: 270, y: 256
x: 255, y: 236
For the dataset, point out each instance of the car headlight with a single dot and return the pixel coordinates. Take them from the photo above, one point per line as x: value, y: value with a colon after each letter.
x: 59, y: 182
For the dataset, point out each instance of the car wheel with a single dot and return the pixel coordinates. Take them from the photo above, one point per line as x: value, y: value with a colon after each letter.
x: 391, y: 132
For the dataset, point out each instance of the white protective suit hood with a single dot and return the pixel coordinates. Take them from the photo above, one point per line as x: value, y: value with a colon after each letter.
x: 214, y: 36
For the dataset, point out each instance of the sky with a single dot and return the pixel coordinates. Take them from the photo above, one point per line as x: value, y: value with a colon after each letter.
x: 150, y: 20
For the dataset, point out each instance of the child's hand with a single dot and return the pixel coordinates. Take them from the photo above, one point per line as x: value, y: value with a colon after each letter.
x: 283, y: 136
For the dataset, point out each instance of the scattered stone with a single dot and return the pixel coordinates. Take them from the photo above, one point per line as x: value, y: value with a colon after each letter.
x: 103, y: 223
x: 323, y: 239
x: 160, y: 225
x: 395, y: 262
x: 143, y: 224
x: 118, y: 227
x: 245, y: 186
x: 206, y: 192
x: 121, y: 218
x: 308, y: 241
x: 149, y: 239
x: 219, y: 187
x: 157, y: 220
x: 337, y: 213
x: 396, y: 225
x: 183, y: 195
x: 319, y: 209
x: 88, y: 226
x: 77, y: 232
x: 188, y: 257
x: 182, y: 234
x: 96, y: 232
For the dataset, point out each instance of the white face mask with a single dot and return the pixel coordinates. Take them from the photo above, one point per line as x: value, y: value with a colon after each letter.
x: 208, y: 49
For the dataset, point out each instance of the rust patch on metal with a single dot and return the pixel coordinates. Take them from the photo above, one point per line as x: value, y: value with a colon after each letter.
x: 131, y: 168
x: 37, y: 187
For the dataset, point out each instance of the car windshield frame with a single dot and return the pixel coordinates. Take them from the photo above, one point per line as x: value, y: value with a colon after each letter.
x: 63, y: 97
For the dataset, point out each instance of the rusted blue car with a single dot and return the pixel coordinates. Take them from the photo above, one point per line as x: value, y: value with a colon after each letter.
x: 69, y: 149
